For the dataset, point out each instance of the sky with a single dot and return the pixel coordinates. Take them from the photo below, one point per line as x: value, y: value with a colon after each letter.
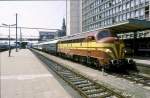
x: 39, y: 14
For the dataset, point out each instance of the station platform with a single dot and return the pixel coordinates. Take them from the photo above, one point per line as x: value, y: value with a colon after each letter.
x: 143, y: 60
x: 25, y: 76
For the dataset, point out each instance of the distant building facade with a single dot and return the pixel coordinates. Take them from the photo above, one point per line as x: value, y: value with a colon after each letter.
x: 45, y: 35
x: 74, y: 16
x: 61, y: 33
x: 100, y: 13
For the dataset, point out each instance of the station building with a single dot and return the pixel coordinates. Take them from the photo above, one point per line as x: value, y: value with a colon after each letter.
x: 130, y: 19
x: 101, y: 13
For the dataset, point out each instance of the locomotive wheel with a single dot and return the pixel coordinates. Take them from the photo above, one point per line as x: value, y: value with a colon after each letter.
x: 88, y: 61
x: 76, y: 58
x: 84, y: 60
x: 80, y: 59
x: 97, y: 63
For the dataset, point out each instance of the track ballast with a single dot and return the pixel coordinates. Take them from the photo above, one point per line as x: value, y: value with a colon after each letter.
x: 86, y: 87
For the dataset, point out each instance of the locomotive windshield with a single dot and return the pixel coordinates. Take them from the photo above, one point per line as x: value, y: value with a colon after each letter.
x: 103, y: 34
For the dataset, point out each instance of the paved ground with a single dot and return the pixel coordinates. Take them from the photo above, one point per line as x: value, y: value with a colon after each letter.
x: 123, y: 85
x: 143, y: 61
x: 24, y: 76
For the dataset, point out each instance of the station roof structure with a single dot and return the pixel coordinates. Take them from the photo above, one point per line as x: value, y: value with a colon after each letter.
x: 129, y: 25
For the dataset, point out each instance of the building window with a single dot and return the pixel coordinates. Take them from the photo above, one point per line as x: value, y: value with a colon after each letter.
x: 124, y: 6
x: 99, y: 24
x: 132, y: 3
x: 141, y: 12
x: 136, y: 2
x: 136, y: 13
x: 110, y: 11
x: 113, y: 10
x: 107, y: 4
x: 142, y: 1
x: 132, y: 14
x: 117, y: 1
x: 110, y: 20
x: 117, y: 10
x: 120, y: 7
x: 127, y: 5
x: 146, y: 1
x: 99, y: 8
x: 110, y: 4
x: 100, y: 16
x: 120, y: 17
x: 124, y: 16
x: 128, y: 15
x: 117, y: 18
x: 113, y: 2
x: 102, y: 23
x: 113, y: 20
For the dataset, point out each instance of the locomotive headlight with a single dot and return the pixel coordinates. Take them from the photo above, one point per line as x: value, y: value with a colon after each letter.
x: 125, y: 51
x: 130, y: 61
x: 108, y: 51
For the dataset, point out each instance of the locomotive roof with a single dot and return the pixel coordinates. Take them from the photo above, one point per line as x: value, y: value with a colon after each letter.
x: 72, y: 37
x: 49, y: 42
x: 77, y: 36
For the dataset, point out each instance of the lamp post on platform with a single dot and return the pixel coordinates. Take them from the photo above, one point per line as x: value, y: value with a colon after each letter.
x: 9, y: 36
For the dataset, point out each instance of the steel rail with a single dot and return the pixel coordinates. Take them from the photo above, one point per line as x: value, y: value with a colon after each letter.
x: 138, y: 79
x: 86, y: 87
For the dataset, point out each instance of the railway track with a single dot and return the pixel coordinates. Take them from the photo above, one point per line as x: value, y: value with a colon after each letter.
x: 86, y: 87
x: 136, y: 78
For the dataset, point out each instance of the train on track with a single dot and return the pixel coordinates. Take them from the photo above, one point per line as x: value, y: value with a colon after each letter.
x: 3, y: 47
x: 100, y: 48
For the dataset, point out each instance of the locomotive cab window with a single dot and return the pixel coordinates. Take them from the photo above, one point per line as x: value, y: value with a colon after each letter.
x: 103, y: 34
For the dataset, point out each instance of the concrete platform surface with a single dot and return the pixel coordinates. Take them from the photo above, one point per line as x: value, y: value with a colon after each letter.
x: 113, y: 82
x: 24, y: 76
x: 142, y: 61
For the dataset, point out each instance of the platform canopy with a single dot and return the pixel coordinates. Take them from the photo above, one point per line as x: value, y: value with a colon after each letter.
x: 129, y: 25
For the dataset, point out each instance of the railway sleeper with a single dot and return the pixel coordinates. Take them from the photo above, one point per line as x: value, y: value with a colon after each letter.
x: 67, y: 73
x: 84, y: 85
x: 80, y: 82
x: 100, y: 95
x: 89, y: 87
x: 75, y: 77
x: 69, y: 77
x: 64, y: 72
x: 94, y: 91
x: 75, y: 80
